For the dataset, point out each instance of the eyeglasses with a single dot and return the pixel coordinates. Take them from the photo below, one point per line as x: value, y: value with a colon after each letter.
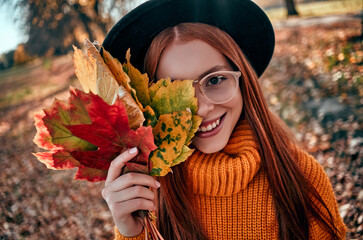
x: 219, y: 87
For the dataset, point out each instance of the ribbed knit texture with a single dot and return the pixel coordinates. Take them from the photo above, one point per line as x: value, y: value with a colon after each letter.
x: 231, y: 194
x: 228, y: 172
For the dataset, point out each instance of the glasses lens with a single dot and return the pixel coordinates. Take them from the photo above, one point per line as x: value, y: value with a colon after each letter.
x: 220, y: 86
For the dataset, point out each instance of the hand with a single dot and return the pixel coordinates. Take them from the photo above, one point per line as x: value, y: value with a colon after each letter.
x: 128, y: 193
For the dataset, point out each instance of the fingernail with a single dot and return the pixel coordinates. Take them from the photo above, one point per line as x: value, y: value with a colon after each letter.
x: 133, y: 150
x: 157, y: 184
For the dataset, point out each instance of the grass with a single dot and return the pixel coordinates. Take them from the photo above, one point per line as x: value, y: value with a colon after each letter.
x: 316, y: 9
x: 35, y: 81
x: 15, y: 97
x: 17, y: 70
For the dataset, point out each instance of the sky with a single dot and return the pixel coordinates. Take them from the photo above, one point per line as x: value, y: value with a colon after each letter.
x: 10, y: 33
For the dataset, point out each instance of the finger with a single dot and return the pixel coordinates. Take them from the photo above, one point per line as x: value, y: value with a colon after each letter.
x: 130, y: 193
x: 130, y: 179
x: 132, y: 205
x: 118, y: 163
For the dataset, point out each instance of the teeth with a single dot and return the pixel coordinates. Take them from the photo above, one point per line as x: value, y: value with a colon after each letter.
x: 209, y: 126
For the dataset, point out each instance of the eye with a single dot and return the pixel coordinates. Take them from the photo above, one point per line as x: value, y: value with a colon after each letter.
x: 215, y: 80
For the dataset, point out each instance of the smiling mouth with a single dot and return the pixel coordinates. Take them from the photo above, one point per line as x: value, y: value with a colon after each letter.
x: 210, y: 128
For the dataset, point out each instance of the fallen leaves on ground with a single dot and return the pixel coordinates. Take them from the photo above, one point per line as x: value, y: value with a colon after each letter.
x: 315, y: 83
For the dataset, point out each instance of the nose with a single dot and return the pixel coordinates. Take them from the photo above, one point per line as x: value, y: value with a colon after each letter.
x: 204, y: 105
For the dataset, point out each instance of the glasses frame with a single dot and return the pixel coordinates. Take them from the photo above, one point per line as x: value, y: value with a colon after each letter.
x: 235, y: 74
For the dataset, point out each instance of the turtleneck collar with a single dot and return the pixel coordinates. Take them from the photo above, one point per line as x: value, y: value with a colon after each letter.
x: 226, y: 172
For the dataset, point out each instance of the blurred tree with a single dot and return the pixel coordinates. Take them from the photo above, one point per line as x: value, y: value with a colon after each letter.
x: 52, y: 26
x: 20, y: 55
x: 290, y: 7
x: 7, y: 60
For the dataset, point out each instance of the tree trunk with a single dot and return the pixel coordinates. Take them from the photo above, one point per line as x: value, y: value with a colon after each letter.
x: 85, y: 20
x: 290, y: 7
x: 99, y: 19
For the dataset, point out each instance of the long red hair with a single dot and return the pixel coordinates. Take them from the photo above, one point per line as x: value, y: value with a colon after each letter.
x: 293, y: 194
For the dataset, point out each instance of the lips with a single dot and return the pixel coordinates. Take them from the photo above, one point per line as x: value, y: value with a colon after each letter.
x: 210, y: 128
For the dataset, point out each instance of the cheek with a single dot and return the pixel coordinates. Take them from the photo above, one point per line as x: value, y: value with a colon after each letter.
x: 236, y: 104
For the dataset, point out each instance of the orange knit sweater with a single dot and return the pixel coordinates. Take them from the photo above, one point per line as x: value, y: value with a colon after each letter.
x: 231, y: 192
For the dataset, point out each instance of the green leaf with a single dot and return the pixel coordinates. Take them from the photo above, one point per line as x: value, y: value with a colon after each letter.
x: 156, y: 86
x: 185, y: 153
x: 197, y: 120
x: 177, y: 96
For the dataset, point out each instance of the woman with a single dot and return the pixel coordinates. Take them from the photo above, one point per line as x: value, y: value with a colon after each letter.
x: 247, y: 178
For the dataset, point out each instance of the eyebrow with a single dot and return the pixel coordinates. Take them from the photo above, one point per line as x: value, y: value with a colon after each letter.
x: 213, y: 69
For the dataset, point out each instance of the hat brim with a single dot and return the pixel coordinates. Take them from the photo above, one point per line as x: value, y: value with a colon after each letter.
x: 243, y: 20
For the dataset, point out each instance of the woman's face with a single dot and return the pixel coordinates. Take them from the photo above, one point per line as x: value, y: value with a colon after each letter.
x: 193, y: 60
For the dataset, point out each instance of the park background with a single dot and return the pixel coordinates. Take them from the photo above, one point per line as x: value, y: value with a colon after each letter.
x: 314, y: 83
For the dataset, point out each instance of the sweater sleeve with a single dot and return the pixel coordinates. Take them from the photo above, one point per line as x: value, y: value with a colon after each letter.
x: 320, y: 180
x: 119, y: 236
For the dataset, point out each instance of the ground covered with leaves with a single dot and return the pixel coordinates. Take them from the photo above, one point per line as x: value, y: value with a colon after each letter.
x: 314, y: 83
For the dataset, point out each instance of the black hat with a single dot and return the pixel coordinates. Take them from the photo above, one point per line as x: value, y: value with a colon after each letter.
x: 243, y: 20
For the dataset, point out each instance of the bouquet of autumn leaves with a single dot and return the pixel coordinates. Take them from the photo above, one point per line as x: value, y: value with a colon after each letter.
x: 117, y: 109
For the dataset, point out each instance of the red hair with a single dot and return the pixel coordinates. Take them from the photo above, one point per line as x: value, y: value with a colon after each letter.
x: 293, y: 194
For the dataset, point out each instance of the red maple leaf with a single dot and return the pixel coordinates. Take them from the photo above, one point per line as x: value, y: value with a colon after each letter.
x: 88, y: 133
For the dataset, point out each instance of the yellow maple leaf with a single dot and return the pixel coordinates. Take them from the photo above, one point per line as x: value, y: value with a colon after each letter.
x: 138, y: 81
x: 170, y: 134
x: 93, y: 73
x: 116, y: 68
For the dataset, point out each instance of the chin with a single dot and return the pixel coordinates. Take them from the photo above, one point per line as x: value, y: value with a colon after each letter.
x: 209, y: 147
